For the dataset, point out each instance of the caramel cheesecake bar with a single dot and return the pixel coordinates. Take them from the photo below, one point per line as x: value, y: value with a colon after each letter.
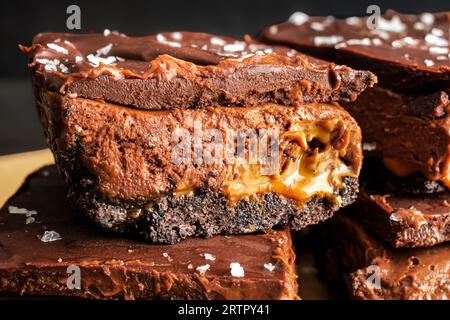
x: 408, y: 53
x: 186, y: 134
x: 408, y: 135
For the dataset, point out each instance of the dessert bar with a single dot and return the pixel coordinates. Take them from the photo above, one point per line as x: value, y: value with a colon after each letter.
x: 116, y: 128
x: 371, y: 269
x: 408, y: 53
x: 42, y: 243
x: 408, y: 134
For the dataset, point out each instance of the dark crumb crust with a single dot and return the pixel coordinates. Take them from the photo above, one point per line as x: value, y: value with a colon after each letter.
x: 207, y: 213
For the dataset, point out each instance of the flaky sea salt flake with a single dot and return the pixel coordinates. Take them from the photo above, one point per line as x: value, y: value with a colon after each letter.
x: 327, y: 40
x: 428, y: 62
x: 217, y: 41
x: 234, y: 47
x: 236, y: 270
x: 50, y: 236
x: 269, y: 266
x: 209, y: 256
x: 104, y: 50
x: 57, y: 48
x: 202, y: 269
x: 298, y: 18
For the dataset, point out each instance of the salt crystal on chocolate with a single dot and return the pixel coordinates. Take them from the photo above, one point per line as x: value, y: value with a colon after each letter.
x: 57, y: 48
x: 104, y: 50
x: 209, y: 256
x: 327, y: 40
x: 298, y: 18
x: 217, y: 41
x: 202, y: 269
x: 236, y: 270
x: 427, y: 18
x: 394, y: 25
x: 234, y: 47
x: 50, y: 236
x: 269, y: 266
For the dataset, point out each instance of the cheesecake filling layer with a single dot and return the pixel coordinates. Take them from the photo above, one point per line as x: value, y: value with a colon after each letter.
x: 125, y: 154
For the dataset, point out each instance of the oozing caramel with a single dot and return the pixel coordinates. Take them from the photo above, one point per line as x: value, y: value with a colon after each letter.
x: 403, y: 169
x: 400, y: 168
x: 304, y: 169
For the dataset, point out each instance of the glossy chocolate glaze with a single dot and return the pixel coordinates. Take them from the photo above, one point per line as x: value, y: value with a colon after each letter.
x: 120, y: 268
x: 186, y: 70
x: 407, y: 52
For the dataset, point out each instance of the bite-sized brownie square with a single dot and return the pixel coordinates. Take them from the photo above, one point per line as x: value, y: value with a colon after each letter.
x: 47, y: 250
x: 370, y: 269
x: 408, y: 53
x: 116, y: 130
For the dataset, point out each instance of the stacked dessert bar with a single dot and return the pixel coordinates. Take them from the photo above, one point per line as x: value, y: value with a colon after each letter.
x: 155, y: 138
x: 398, y: 228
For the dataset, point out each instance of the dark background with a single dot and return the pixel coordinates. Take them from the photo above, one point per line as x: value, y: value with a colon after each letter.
x: 20, y: 20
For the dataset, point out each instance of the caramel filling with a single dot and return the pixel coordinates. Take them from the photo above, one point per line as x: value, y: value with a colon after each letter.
x: 403, y: 169
x: 399, y: 168
x: 446, y: 180
x: 309, y: 164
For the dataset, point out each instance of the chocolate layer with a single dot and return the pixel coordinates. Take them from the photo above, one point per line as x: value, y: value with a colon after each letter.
x: 119, y: 165
x: 405, y: 221
x: 187, y: 70
x: 408, y: 53
x: 371, y: 269
x: 121, y: 268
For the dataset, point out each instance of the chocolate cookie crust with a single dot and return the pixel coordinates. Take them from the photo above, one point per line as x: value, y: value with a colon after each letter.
x: 207, y: 213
